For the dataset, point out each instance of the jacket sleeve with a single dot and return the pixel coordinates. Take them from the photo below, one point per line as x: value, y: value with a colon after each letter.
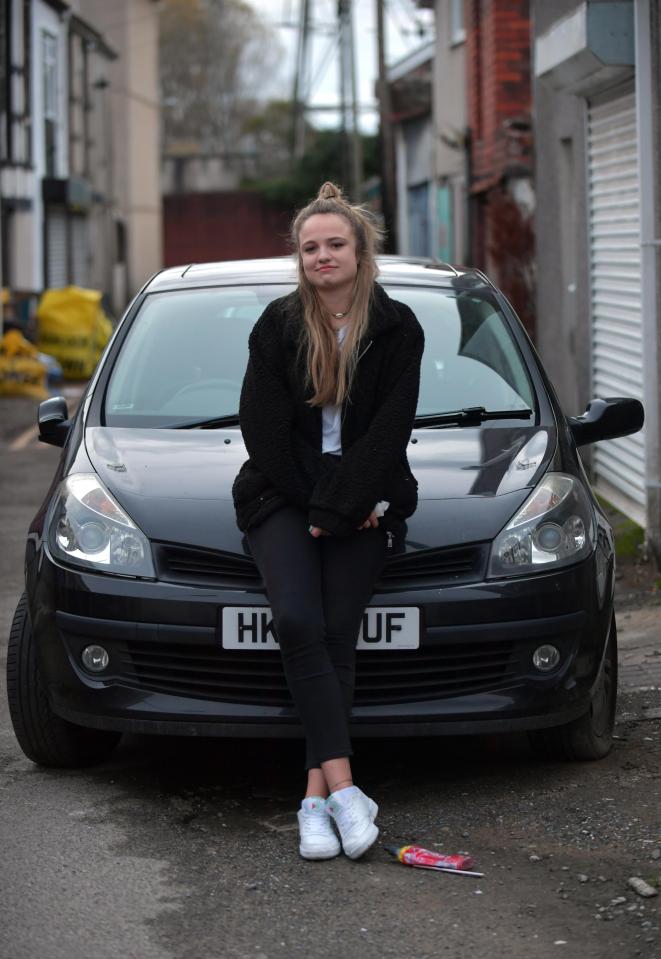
x: 343, y: 499
x: 266, y: 415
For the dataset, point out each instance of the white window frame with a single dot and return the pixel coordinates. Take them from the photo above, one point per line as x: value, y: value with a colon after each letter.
x: 49, y: 61
x: 50, y: 93
x: 457, y: 29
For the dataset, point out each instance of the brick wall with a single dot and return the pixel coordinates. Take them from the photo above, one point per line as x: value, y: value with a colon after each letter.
x: 232, y: 225
x: 499, y: 104
x: 498, y: 83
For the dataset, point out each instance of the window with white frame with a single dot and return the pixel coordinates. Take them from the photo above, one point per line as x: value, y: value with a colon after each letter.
x: 49, y: 71
x: 15, y: 27
x: 457, y: 31
x: 4, y: 81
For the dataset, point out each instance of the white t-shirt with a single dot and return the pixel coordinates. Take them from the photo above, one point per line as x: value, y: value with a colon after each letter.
x: 331, y: 415
x: 331, y: 421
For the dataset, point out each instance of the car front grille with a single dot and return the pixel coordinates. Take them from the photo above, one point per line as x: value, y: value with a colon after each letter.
x: 416, y: 569
x: 435, y: 567
x: 204, y: 567
x: 382, y: 678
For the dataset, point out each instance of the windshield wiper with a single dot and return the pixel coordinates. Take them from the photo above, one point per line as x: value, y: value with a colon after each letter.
x: 469, y: 416
x: 232, y: 419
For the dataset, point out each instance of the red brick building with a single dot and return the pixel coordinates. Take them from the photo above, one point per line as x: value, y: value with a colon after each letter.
x: 499, y: 95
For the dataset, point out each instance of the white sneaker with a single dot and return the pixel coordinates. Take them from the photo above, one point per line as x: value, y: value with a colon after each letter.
x: 354, y: 814
x: 318, y: 838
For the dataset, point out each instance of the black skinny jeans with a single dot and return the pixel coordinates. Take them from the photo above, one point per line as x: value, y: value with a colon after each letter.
x: 318, y: 590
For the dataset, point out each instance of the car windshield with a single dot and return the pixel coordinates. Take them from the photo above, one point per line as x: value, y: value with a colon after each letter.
x: 184, y: 357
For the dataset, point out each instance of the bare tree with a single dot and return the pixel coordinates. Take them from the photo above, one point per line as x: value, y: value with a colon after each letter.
x: 212, y: 54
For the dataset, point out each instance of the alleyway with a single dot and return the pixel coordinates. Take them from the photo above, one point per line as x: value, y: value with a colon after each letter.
x: 178, y: 849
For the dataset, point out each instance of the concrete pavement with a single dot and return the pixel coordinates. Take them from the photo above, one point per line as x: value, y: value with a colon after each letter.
x: 181, y: 848
x: 639, y: 645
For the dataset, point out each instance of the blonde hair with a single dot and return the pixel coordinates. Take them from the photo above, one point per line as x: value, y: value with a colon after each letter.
x: 331, y: 370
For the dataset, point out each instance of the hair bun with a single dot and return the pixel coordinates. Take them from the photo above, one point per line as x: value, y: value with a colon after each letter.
x: 329, y: 191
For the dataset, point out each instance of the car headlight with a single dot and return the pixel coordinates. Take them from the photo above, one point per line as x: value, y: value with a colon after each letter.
x: 554, y: 527
x: 88, y: 528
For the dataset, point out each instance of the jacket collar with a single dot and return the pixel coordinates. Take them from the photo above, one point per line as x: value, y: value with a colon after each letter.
x: 383, y: 313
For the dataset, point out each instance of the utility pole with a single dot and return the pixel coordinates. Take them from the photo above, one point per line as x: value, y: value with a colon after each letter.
x: 386, y: 142
x: 356, y: 142
x: 301, y: 81
x: 351, y: 143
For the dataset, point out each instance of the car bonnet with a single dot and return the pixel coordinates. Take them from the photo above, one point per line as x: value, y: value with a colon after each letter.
x: 176, y: 484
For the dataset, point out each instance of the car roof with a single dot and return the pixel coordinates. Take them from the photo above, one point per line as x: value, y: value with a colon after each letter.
x: 282, y: 269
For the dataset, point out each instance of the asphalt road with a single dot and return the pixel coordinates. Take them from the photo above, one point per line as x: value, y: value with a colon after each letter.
x: 180, y: 849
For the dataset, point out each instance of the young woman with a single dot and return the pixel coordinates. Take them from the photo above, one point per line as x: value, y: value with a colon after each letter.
x: 327, y: 409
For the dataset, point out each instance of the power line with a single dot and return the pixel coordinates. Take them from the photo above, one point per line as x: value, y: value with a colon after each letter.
x: 301, y: 75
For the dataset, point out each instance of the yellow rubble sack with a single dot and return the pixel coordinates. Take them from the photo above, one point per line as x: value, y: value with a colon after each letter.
x: 21, y: 371
x: 73, y: 328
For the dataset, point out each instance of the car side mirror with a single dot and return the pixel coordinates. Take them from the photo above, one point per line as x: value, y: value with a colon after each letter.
x: 607, y: 418
x: 54, y: 422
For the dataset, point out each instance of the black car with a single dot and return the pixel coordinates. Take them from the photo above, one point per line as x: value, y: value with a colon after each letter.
x: 144, y: 611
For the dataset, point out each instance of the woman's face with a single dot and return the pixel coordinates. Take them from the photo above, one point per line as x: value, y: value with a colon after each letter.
x: 327, y: 247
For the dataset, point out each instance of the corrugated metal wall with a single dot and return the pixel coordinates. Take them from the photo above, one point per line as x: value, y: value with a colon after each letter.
x: 57, y: 271
x: 80, y: 250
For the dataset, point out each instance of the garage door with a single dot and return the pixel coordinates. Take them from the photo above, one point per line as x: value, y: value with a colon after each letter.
x: 57, y: 272
x: 614, y: 235
x: 80, y: 250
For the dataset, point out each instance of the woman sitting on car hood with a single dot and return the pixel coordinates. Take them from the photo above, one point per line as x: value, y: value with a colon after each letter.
x: 327, y: 408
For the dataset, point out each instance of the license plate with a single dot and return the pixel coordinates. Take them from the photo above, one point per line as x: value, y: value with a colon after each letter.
x: 383, y: 627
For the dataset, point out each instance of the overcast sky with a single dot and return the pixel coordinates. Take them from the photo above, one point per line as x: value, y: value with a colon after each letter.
x: 402, y: 36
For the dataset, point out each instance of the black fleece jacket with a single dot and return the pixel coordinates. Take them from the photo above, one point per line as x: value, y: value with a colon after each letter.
x: 283, y: 434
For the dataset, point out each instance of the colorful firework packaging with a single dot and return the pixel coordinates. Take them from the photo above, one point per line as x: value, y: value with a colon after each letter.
x: 426, y: 859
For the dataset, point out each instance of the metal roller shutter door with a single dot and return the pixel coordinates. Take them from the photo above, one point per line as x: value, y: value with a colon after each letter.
x: 614, y: 235
x: 80, y: 250
x: 57, y: 272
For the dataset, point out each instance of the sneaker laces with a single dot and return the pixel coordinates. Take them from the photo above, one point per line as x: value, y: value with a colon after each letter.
x: 347, y: 810
x: 316, y: 822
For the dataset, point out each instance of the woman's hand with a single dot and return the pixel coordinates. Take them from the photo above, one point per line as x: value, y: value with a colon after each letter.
x: 371, y: 522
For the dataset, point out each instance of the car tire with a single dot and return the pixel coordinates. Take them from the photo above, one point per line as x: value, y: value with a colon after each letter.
x: 591, y: 735
x: 43, y: 736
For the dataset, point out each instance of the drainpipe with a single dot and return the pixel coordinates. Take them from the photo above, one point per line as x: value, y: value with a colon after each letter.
x: 2, y: 279
x: 648, y: 141
x: 468, y: 176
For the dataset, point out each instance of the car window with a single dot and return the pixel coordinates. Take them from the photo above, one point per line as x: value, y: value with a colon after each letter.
x: 186, y: 352
x: 470, y: 358
x: 185, y: 356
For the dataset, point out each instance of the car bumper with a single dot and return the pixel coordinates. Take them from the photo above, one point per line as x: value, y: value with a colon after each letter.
x: 167, y: 673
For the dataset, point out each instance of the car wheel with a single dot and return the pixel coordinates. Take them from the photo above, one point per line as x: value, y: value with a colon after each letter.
x: 591, y: 735
x: 44, y: 737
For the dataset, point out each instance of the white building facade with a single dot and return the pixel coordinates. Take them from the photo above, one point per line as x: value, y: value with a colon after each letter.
x: 79, y: 144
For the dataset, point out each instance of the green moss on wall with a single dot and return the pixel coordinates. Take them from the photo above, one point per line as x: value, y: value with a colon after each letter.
x: 629, y: 536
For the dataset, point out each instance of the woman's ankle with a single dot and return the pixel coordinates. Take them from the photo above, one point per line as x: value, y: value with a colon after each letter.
x: 316, y: 784
x: 341, y: 784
